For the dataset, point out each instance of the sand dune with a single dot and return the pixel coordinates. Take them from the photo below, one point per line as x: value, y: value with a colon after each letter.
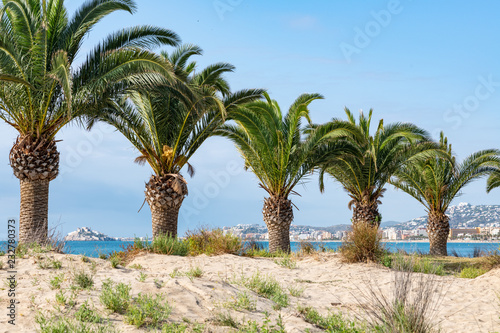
x: 328, y: 285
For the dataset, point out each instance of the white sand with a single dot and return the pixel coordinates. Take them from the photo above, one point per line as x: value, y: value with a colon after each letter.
x: 329, y: 285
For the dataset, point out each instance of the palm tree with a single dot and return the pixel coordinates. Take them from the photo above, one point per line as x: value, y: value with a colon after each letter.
x: 167, y: 126
x: 276, y: 149
x: 383, y: 153
x: 493, y: 180
x: 41, y: 90
x: 436, y: 181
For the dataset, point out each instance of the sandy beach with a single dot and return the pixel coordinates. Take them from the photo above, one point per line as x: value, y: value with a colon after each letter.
x: 467, y: 305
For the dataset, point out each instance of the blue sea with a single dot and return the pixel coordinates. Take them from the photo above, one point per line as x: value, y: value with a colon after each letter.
x: 94, y: 248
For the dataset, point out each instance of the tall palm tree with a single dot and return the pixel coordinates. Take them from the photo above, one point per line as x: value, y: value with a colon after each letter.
x: 383, y: 153
x: 436, y: 181
x: 276, y: 149
x: 167, y: 126
x: 41, y: 90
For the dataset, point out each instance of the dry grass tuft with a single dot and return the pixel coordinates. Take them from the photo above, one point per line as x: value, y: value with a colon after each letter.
x: 412, y: 306
x: 363, y: 244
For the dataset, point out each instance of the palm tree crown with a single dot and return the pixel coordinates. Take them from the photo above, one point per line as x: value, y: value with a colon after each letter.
x: 383, y: 153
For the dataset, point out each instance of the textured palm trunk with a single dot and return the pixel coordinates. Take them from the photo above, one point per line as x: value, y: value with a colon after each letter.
x: 164, y: 196
x: 438, y: 228
x: 35, y: 163
x: 278, y: 216
x: 366, y: 213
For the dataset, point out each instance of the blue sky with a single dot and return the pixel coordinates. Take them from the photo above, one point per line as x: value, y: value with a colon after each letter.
x: 435, y: 64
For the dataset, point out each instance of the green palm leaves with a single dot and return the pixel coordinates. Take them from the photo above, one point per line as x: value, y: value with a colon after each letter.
x: 281, y: 151
x: 40, y: 91
x: 436, y: 181
x: 169, y: 124
x: 383, y: 153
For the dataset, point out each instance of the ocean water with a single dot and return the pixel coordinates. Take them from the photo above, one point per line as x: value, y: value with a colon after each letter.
x: 94, y: 248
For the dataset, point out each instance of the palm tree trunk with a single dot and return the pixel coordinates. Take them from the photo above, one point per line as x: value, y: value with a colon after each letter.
x: 33, y: 223
x: 35, y: 163
x: 438, y: 228
x: 164, y: 196
x: 278, y: 216
x: 366, y: 213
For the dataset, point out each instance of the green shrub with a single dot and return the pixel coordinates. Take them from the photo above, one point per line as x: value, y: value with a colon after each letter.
x: 471, y: 272
x: 194, y: 272
x: 269, y: 288
x: 296, y: 291
x: 88, y: 314
x: 115, y: 261
x: 213, y: 242
x: 182, y: 327
x: 164, y: 244
x: 286, y: 262
x: 115, y: 298
x: 330, y: 323
x: 306, y: 247
x: 242, y: 301
x: 148, y: 310
x: 417, y: 264
x: 56, y: 281
x: 83, y: 280
x: 142, y: 277
x: 363, y: 244
x: 58, y: 324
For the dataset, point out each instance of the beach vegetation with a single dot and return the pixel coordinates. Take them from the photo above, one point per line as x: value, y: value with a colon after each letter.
x: 296, y: 291
x: 83, y: 280
x: 115, y: 297
x: 185, y: 326
x: 268, y: 287
x: 330, y: 323
x: 213, y: 242
x: 148, y: 310
x: 411, y: 306
x: 471, y: 272
x: 142, y: 277
x: 194, y: 272
x: 242, y: 301
x: 87, y: 313
x: 287, y: 262
x: 61, y: 323
x: 56, y: 281
x: 437, y: 180
x: 362, y: 244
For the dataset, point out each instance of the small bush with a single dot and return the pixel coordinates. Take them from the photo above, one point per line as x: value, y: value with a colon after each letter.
x: 83, y: 280
x: 417, y: 264
x: 194, y: 272
x: 306, y: 247
x: 213, y: 242
x: 286, y: 262
x: 142, y: 277
x: 471, y: 272
x: 164, y: 244
x: 58, y: 324
x: 363, y: 244
x: 115, y: 260
x: 296, y: 291
x: 148, y: 310
x: 115, y: 298
x: 88, y: 314
x: 330, y: 323
x: 243, y: 302
x: 49, y: 263
x: 269, y: 288
x: 182, y: 327
x: 56, y: 281
x: 225, y: 319
x: 411, y: 307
